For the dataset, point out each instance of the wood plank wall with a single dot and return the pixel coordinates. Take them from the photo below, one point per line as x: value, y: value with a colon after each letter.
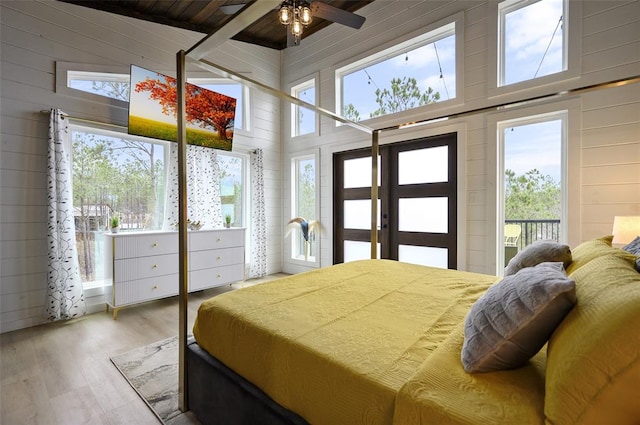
x: 37, y: 34
x: 604, y: 134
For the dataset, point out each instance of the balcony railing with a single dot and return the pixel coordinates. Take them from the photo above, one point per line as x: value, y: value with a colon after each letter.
x: 534, y: 230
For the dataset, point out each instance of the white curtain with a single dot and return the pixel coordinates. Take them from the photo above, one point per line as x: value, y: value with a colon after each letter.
x: 203, y: 187
x: 258, y: 260
x: 65, y: 298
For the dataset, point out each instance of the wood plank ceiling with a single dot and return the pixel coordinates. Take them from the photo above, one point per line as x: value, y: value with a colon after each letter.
x: 207, y: 16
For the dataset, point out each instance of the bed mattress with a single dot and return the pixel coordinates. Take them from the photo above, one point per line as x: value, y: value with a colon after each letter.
x: 335, y: 345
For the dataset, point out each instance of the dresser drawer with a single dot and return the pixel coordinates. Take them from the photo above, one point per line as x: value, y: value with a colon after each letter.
x: 209, y: 278
x: 143, y: 245
x: 215, y: 239
x: 145, y: 289
x: 144, y: 267
x: 215, y: 258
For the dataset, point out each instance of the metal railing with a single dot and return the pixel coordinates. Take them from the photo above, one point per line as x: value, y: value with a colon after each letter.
x: 534, y: 230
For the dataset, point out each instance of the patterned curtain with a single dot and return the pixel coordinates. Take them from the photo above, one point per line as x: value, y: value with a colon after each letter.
x: 258, y: 260
x: 65, y: 298
x: 203, y: 187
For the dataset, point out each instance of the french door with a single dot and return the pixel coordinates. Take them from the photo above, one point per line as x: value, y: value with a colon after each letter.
x: 417, y: 202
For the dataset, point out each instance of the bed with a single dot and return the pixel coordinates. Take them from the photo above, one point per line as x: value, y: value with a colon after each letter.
x: 379, y: 342
x: 335, y: 345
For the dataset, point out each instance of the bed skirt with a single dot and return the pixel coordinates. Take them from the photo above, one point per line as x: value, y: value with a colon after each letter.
x: 219, y: 396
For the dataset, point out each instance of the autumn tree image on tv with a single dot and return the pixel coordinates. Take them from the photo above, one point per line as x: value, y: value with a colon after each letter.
x: 153, y: 111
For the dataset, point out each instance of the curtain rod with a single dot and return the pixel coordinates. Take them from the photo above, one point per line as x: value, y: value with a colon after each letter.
x: 71, y: 117
x: 106, y: 124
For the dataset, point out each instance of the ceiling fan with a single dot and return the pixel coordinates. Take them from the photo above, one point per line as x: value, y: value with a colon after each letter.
x: 297, y: 14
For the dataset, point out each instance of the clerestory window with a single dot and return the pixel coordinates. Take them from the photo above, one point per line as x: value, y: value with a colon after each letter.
x: 414, y: 73
x: 303, y: 120
x: 532, y: 39
x: 116, y: 86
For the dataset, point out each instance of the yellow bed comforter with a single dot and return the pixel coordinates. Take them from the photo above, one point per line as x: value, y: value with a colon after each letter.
x: 336, y: 345
x: 441, y: 392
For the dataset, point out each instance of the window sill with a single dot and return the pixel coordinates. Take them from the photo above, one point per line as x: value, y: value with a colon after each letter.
x: 95, y: 288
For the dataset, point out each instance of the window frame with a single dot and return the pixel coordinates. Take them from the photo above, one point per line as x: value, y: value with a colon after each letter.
x: 98, y: 285
x: 295, y: 89
x: 80, y: 125
x: 572, y: 22
x: 295, y: 237
x: 246, y: 178
x: 570, y: 171
x: 424, y: 36
x: 64, y: 70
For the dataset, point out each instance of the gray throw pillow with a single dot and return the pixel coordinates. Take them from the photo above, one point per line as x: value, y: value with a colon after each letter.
x: 513, y: 320
x: 539, y: 252
x: 634, y: 248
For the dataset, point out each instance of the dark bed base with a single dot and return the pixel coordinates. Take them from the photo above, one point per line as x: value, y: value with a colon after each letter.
x: 219, y: 396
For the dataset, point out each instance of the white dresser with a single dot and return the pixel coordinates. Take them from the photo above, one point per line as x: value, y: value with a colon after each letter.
x: 143, y: 266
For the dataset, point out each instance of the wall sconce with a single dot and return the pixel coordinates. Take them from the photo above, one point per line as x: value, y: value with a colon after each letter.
x: 625, y: 229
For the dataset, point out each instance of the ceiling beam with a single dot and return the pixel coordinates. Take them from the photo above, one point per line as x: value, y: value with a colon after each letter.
x: 239, y: 22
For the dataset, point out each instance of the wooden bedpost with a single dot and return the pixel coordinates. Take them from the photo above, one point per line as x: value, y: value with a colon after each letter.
x: 183, y: 253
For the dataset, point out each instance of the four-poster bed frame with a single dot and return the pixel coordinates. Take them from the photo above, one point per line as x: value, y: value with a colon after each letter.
x: 196, y: 56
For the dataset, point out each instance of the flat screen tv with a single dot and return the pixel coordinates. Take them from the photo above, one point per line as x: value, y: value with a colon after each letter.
x: 210, y: 116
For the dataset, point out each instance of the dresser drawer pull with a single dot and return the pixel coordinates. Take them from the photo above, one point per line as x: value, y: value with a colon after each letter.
x: 219, y: 240
x: 155, y: 287
x: 155, y: 266
x: 218, y: 257
x: 155, y: 244
x: 219, y: 276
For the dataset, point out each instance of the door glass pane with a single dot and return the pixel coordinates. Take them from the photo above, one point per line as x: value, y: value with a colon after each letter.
x: 355, y: 250
x: 357, y: 172
x: 424, y: 255
x: 357, y: 214
x: 424, y: 215
x: 428, y: 165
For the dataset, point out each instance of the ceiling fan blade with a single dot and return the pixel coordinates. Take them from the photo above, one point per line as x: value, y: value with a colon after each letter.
x: 333, y: 14
x: 231, y: 9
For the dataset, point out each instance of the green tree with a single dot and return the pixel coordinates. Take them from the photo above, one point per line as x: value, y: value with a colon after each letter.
x: 93, y: 173
x: 230, y: 168
x: 404, y: 94
x: 112, y: 89
x: 531, y: 196
x: 351, y: 113
x: 307, y: 191
x: 113, y: 176
x: 142, y: 167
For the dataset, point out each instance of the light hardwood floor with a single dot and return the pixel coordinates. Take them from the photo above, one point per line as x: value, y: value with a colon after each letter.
x: 60, y: 373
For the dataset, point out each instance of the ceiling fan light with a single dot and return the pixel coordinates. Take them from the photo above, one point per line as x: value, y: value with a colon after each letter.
x: 305, y: 15
x: 296, y: 28
x: 284, y: 14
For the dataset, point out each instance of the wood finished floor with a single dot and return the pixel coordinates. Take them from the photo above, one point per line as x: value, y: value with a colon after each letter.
x: 60, y: 373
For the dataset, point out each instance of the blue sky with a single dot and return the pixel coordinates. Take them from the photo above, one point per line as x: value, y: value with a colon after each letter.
x: 423, y: 64
x: 534, y: 146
